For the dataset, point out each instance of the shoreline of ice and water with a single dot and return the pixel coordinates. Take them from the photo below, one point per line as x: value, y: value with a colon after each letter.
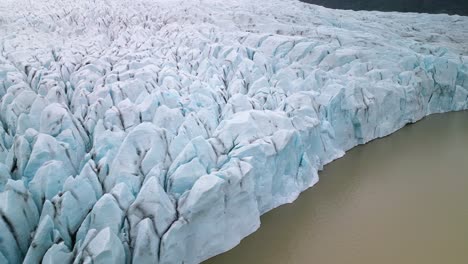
x: 160, y: 131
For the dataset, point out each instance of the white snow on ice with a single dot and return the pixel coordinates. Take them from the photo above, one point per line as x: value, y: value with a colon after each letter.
x: 140, y: 131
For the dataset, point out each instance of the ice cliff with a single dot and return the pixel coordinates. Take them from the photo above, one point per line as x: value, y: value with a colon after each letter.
x: 141, y: 131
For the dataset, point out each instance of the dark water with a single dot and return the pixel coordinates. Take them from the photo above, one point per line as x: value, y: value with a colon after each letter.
x: 401, y: 199
x: 459, y: 7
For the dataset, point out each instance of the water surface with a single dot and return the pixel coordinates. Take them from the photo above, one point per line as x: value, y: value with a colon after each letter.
x: 459, y: 7
x: 401, y: 199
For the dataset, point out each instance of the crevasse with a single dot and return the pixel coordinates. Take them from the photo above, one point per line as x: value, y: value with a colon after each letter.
x: 159, y: 131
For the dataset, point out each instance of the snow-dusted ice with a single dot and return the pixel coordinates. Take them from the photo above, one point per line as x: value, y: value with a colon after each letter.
x: 146, y: 131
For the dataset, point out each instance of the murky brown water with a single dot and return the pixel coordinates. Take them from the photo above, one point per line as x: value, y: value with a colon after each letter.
x: 401, y: 199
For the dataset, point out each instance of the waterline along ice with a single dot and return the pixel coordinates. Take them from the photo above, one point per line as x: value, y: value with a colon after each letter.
x: 150, y: 131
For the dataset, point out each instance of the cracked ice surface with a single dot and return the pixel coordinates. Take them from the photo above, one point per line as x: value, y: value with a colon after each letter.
x: 159, y: 131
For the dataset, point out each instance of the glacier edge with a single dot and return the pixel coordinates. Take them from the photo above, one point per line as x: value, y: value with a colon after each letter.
x: 159, y: 131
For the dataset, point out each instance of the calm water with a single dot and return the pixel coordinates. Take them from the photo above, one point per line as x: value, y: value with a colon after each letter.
x: 401, y: 199
x: 459, y: 7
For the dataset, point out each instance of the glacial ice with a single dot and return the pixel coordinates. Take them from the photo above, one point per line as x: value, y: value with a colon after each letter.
x: 159, y: 131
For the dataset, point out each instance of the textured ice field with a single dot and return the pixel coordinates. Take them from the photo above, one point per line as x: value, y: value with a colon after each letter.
x: 150, y: 131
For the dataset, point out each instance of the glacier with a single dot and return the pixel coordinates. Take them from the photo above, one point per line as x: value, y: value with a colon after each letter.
x: 158, y: 131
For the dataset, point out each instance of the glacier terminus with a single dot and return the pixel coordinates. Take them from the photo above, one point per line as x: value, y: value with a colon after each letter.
x: 159, y: 131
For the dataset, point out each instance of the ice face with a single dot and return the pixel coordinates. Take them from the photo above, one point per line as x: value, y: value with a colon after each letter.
x: 159, y: 131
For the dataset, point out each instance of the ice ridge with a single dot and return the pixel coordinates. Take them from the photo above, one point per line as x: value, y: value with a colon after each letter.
x: 159, y: 131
